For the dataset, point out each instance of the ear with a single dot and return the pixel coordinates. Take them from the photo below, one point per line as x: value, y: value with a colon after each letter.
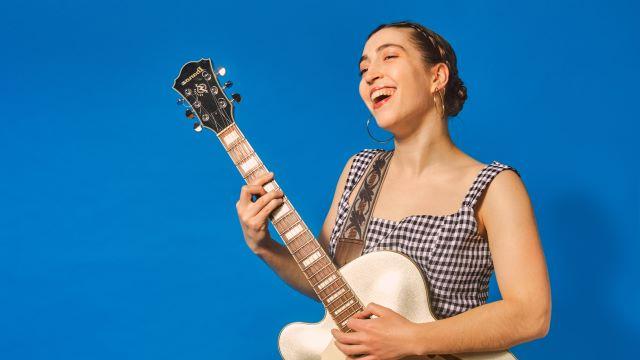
x: 439, y: 76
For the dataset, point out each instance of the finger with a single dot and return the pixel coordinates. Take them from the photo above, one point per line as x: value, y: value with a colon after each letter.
x: 265, y: 199
x: 262, y: 179
x: 246, y: 192
x: 272, y: 205
x: 353, y: 338
x: 362, y: 314
x: 351, y: 349
x: 357, y: 324
x: 368, y: 357
x: 377, y: 310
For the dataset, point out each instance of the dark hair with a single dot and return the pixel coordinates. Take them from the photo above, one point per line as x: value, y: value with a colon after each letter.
x: 435, y: 49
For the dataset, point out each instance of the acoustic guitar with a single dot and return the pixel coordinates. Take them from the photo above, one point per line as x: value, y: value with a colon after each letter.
x: 387, y: 278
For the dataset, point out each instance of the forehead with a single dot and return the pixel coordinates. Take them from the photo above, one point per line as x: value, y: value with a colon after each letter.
x: 399, y: 36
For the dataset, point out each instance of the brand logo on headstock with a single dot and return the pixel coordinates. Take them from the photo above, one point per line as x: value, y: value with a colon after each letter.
x: 198, y: 71
x: 201, y: 89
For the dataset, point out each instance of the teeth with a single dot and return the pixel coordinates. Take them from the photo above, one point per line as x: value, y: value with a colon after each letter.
x: 385, y: 91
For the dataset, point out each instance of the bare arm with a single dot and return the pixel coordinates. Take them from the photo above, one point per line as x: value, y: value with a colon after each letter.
x: 524, y: 312
x: 273, y: 253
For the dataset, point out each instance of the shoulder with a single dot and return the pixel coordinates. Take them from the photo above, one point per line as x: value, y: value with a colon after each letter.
x: 506, y: 180
x: 505, y: 195
x: 360, y: 160
x: 355, y: 167
x: 365, y: 155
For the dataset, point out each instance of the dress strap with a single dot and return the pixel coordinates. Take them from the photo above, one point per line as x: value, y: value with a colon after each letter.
x: 482, y: 180
x: 360, y: 163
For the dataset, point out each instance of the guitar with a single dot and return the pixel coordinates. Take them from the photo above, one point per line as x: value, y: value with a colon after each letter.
x: 387, y: 278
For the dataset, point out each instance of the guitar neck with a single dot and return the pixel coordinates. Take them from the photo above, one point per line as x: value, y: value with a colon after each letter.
x: 320, y: 271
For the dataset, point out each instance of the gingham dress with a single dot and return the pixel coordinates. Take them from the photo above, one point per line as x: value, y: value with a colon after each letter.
x: 453, y: 257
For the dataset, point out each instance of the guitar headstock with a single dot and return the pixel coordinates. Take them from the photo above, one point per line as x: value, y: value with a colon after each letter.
x: 199, y: 86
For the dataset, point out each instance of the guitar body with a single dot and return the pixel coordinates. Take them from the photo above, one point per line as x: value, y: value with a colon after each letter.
x: 386, y: 278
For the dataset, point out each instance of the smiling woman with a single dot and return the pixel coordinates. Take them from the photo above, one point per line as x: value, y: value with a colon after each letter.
x: 434, y: 49
x: 456, y: 218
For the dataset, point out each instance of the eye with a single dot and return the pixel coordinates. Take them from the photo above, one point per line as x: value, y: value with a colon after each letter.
x: 362, y: 71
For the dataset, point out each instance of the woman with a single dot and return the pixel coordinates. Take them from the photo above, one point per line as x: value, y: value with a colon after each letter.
x: 410, y: 83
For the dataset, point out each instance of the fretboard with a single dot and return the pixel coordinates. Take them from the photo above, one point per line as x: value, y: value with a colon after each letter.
x: 327, y: 282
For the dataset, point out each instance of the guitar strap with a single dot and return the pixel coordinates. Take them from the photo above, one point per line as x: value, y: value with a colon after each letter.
x: 351, y: 240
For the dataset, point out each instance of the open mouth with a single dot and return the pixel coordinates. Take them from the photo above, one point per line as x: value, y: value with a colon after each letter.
x: 382, y: 96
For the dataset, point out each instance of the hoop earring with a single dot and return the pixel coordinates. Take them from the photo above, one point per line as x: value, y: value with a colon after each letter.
x: 371, y: 136
x: 440, y: 93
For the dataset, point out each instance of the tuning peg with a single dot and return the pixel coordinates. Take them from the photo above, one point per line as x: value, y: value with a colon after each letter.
x: 189, y: 114
x: 236, y: 97
x: 197, y: 127
x: 227, y: 85
x: 221, y: 71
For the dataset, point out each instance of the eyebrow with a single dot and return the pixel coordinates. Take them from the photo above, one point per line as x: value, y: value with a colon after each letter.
x: 365, y: 57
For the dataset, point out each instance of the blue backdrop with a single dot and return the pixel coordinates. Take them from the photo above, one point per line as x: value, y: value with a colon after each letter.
x: 119, y: 237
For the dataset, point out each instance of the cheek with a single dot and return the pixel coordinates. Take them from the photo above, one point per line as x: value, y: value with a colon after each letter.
x: 362, y: 89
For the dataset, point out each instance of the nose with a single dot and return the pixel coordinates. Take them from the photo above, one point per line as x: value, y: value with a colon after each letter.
x: 371, y: 75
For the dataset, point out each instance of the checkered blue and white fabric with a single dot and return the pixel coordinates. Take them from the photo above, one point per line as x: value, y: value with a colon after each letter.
x: 454, y: 259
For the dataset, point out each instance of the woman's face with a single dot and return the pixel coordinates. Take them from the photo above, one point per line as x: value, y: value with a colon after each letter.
x: 393, y: 66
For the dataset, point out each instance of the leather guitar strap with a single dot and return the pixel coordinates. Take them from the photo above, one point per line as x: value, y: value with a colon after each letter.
x: 351, y: 240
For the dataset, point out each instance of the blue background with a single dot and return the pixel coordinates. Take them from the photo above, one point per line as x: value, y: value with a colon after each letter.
x: 118, y: 232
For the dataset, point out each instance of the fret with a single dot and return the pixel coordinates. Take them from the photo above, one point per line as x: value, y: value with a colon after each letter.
x: 347, y: 313
x: 240, y: 153
x: 236, y: 149
x: 270, y: 186
x: 253, y: 171
x: 323, y: 263
x: 236, y: 141
x: 279, y: 213
x: 287, y: 221
x: 260, y: 170
x: 344, y: 307
x: 300, y: 233
x: 303, y: 245
x: 297, y: 243
x: 300, y: 242
x: 339, y: 301
x: 306, y: 253
x: 322, y: 275
x: 317, y: 256
x: 227, y: 136
x: 311, y: 258
x: 329, y: 288
x: 321, y: 269
x: 331, y: 298
x: 245, y: 157
x: 297, y: 225
x: 353, y: 309
x: 326, y: 280
x: 247, y: 165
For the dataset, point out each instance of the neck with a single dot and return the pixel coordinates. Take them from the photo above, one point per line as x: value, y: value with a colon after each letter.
x: 423, y: 148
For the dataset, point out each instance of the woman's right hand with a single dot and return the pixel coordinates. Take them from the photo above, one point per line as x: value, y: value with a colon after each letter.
x: 253, y: 215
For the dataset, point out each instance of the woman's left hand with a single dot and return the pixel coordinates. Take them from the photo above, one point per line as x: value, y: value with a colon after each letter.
x: 388, y: 336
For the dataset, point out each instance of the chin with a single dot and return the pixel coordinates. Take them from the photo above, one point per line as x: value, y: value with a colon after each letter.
x: 386, y: 122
